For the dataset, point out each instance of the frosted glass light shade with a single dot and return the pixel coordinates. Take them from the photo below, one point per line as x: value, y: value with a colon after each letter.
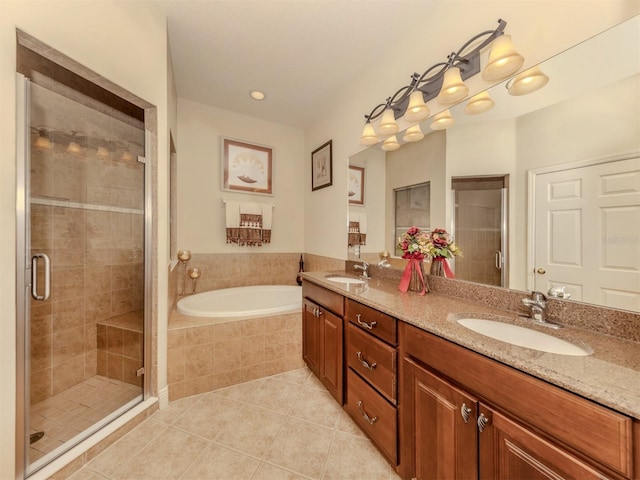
x: 417, y: 110
x: 73, y: 147
x: 503, y: 60
x: 368, y: 136
x: 43, y: 141
x: 479, y: 103
x: 453, y: 88
x: 442, y: 120
x: 527, y: 82
x: 413, y: 134
x: 390, y: 144
x: 388, y: 125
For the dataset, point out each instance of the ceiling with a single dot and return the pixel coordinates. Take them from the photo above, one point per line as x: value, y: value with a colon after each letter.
x: 298, y: 52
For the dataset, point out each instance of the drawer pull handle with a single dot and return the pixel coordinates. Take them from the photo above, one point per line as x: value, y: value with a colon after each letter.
x: 364, y: 363
x: 482, y: 422
x: 465, y: 411
x: 370, y: 420
x: 370, y: 326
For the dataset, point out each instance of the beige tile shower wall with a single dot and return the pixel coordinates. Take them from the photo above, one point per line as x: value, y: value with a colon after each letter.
x: 205, y: 357
x: 92, y: 279
x: 241, y: 269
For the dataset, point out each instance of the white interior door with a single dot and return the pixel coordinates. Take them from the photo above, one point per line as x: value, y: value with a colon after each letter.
x: 587, y: 233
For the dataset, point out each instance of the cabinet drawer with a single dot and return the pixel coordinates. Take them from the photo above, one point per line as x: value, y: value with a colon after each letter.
x: 328, y: 299
x: 374, y: 360
x: 600, y: 433
x: 376, y: 416
x: 377, y: 323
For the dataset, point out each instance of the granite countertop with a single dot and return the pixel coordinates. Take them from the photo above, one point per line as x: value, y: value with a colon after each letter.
x: 610, y: 376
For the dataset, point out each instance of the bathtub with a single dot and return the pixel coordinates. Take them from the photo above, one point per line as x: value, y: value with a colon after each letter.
x: 243, y: 302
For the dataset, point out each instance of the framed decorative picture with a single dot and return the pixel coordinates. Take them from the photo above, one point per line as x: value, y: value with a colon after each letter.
x: 321, y: 167
x: 356, y: 185
x: 246, y: 167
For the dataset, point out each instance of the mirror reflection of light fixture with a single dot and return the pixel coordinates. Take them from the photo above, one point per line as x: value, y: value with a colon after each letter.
x: 390, y: 144
x: 527, y: 82
x: 413, y: 134
x: 479, y: 103
x: 43, y: 142
x: 444, y: 80
x: 453, y: 88
x: 417, y: 109
x: 368, y: 136
x: 442, y: 121
x: 74, y: 146
x: 388, y: 125
x: 503, y: 60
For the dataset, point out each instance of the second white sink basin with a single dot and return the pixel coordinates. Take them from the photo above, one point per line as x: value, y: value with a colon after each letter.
x: 523, y: 337
x: 345, y: 279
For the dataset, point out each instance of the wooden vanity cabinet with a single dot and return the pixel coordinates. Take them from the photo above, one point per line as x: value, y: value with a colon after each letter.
x: 466, y: 416
x: 322, y: 336
x: 371, y: 388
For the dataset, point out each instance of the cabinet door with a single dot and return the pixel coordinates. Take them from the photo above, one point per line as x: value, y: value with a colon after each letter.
x: 509, y: 450
x: 439, y: 433
x: 311, y: 336
x: 331, y: 366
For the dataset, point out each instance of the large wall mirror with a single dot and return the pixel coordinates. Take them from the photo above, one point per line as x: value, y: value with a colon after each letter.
x: 548, y: 183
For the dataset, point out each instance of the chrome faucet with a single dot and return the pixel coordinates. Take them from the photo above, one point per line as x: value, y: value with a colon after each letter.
x: 365, y: 269
x: 537, y: 305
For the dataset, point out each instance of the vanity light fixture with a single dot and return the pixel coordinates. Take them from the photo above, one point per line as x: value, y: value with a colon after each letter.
x: 444, y: 80
x: 442, y: 121
x: 413, y: 134
x: 390, y: 144
x: 527, y: 82
x: 74, y: 146
x: 479, y: 103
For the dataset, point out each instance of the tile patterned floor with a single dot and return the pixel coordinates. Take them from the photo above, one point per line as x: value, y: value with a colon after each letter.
x: 282, y: 427
x: 67, y: 414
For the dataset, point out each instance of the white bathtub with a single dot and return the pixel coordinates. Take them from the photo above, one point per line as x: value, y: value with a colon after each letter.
x: 243, y: 302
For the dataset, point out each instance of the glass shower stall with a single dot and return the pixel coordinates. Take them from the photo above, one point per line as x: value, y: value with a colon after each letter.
x: 81, y: 220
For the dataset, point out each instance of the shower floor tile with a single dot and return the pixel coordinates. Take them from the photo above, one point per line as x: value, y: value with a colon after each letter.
x: 72, y: 411
x: 252, y: 431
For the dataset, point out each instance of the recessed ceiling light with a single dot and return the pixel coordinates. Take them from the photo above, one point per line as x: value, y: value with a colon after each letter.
x: 257, y: 95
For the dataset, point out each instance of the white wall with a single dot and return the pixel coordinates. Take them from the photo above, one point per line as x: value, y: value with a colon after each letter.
x: 540, y: 29
x: 104, y: 36
x: 201, y: 218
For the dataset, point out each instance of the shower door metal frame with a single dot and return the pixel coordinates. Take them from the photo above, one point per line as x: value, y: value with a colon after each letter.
x: 23, y: 269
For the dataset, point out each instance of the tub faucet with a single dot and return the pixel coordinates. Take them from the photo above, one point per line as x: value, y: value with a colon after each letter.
x: 537, y: 305
x: 365, y: 269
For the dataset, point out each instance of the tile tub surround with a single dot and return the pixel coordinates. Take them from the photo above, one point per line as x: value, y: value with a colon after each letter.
x: 205, y: 353
x: 610, y: 376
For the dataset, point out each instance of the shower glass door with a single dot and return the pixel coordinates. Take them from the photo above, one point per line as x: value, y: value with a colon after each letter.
x: 84, y: 249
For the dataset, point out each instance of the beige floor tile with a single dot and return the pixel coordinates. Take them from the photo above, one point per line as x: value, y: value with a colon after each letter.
x: 212, y: 415
x: 131, y: 444
x: 240, y: 391
x: 301, y: 447
x: 174, y: 410
x: 167, y: 457
x: 298, y: 376
x: 355, y: 457
x: 314, y: 382
x: 275, y: 395
x: 347, y: 425
x: 252, y: 431
x: 86, y: 474
x: 219, y: 463
x: 271, y: 472
x: 317, y: 406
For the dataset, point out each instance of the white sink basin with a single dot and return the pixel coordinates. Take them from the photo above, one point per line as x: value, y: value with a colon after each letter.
x: 523, y: 337
x: 344, y: 279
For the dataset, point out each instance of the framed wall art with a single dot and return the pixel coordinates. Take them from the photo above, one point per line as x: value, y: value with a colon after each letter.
x: 356, y: 185
x: 246, y: 167
x: 321, y: 167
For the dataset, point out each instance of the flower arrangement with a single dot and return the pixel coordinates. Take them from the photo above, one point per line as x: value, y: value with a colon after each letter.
x: 441, y: 244
x: 415, y: 244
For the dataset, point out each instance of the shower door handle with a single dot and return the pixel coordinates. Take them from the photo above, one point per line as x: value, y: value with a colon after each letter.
x: 34, y: 276
x: 499, y: 260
